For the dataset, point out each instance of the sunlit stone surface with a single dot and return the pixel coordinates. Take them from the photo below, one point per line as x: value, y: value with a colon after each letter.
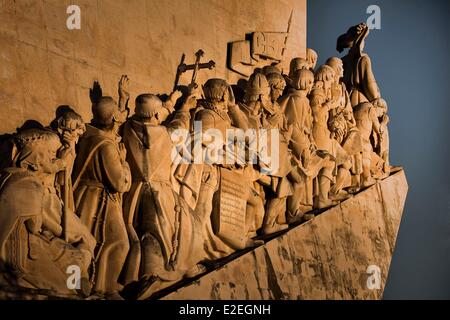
x: 325, y: 258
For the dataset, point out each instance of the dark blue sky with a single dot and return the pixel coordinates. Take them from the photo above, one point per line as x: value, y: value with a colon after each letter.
x: 410, y: 58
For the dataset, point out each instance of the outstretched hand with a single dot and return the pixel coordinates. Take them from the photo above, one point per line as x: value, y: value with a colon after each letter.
x: 231, y: 100
x: 174, y: 96
x: 95, y: 93
x: 123, y: 86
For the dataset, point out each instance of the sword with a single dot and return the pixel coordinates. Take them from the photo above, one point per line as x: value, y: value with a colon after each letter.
x: 287, y: 33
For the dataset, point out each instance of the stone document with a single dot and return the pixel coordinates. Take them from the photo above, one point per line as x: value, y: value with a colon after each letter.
x: 337, y: 255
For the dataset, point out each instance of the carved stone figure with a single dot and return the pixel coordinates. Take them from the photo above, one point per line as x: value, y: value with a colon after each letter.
x: 321, y: 104
x: 310, y: 163
x: 367, y: 120
x: 295, y: 105
x: 311, y: 57
x: 383, y: 150
x: 381, y: 146
x: 276, y: 186
x: 257, y: 95
x: 32, y: 247
x: 160, y: 225
x: 339, y: 92
x: 343, y: 129
x: 358, y: 76
x: 218, y: 112
x: 101, y: 176
x: 297, y: 64
x: 117, y: 199
x: 70, y: 127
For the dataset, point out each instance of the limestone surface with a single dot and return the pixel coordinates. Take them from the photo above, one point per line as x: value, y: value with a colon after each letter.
x: 343, y: 253
x: 45, y: 65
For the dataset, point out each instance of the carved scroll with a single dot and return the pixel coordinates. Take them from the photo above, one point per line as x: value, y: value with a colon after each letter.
x: 230, y: 216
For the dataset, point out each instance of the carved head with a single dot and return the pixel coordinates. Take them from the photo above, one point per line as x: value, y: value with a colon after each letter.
x: 354, y: 36
x: 381, y: 107
x: 303, y: 80
x: 317, y: 97
x: 37, y: 150
x: 216, y: 90
x: 336, y: 124
x: 71, y: 122
x: 324, y: 78
x: 277, y: 85
x: 297, y: 64
x: 270, y: 69
x: 105, y: 113
x: 148, y: 107
x: 311, y: 57
x: 258, y: 89
x: 338, y: 67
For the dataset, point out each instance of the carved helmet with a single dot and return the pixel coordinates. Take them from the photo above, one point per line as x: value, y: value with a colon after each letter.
x: 147, y: 105
x: 257, y: 85
x: 215, y: 89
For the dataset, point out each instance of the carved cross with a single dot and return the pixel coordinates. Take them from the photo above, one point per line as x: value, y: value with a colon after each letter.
x: 182, y: 67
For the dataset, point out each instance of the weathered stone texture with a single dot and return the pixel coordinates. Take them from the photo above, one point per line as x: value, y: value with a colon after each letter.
x: 325, y: 258
x: 44, y: 65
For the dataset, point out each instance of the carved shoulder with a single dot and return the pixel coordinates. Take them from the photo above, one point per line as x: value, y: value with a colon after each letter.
x: 207, y: 117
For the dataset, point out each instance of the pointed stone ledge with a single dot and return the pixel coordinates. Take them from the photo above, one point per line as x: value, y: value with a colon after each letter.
x: 325, y: 258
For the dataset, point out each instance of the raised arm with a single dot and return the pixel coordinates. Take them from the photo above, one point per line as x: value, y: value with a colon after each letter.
x: 182, y: 117
x: 169, y: 105
x: 124, y: 97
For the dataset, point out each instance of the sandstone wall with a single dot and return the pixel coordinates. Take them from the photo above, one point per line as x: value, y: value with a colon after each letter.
x: 44, y: 65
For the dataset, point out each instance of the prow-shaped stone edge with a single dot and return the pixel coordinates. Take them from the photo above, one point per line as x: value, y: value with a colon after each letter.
x: 343, y: 253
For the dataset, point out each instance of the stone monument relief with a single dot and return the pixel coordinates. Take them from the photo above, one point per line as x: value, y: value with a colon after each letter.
x: 262, y: 48
x: 220, y: 187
